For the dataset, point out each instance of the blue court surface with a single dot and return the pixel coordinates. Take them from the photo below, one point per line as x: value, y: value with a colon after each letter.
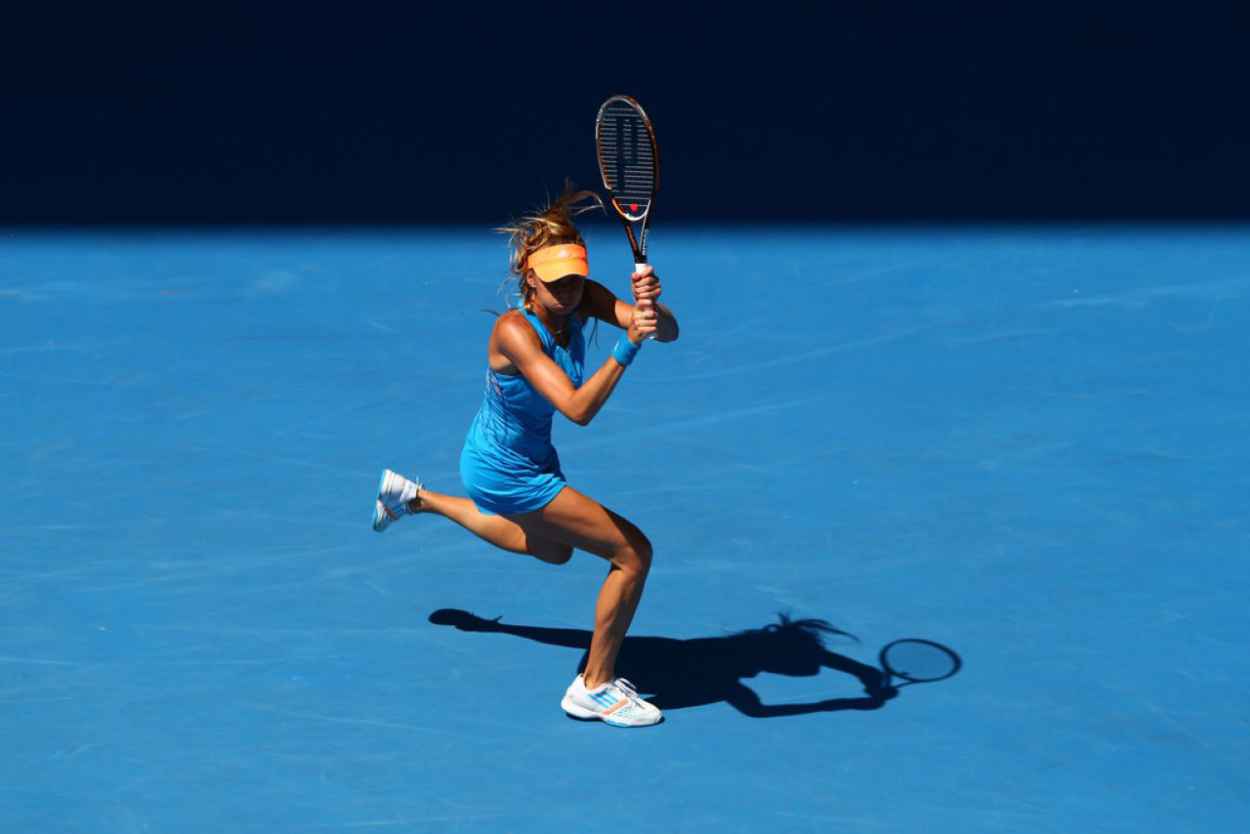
x: 1027, y: 445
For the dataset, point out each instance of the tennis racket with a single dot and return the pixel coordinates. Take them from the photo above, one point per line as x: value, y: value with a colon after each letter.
x: 912, y: 660
x: 629, y: 162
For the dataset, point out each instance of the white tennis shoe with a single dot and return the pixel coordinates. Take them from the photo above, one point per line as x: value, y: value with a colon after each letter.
x: 616, y: 703
x: 394, y: 493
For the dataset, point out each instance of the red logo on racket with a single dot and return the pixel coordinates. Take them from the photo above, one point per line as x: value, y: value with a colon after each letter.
x: 633, y: 207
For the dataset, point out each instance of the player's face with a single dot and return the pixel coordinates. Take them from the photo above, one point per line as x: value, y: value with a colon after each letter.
x: 560, y: 296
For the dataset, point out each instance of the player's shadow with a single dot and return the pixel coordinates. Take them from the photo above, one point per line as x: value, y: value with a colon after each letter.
x: 704, y: 670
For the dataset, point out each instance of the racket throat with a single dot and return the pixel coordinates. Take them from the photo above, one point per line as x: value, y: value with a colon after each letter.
x: 637, y: 244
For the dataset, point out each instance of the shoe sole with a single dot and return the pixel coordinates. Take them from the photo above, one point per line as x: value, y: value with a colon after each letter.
x: 580, y: 713
x: 386, y: 474
x: 376, y: 523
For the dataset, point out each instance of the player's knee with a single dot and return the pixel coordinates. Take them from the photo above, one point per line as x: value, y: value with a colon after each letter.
x: 636, y: 555
x: 644, y: 552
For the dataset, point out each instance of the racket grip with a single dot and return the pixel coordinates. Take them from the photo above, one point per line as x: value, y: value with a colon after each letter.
x: 638, y: 268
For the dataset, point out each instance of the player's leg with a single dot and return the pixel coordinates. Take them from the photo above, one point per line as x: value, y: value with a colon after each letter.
x: 498, y: 530
x: 575, y: 520
x: 399, y: 496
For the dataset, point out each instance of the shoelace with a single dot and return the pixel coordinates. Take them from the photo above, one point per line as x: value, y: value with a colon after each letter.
x: 628, y: 688
x: 402, y: 507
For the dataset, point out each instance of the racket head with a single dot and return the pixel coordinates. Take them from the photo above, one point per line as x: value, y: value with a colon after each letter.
x: 919, y: 661
x: 629, y: 158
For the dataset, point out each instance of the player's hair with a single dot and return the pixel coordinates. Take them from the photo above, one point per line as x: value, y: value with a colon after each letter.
x: 810, y: 632
x: 546, y: 227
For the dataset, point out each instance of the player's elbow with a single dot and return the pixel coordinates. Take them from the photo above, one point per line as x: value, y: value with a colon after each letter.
x: 581, y: 415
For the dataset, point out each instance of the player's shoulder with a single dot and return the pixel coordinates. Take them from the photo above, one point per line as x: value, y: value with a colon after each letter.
x: 513, y: 329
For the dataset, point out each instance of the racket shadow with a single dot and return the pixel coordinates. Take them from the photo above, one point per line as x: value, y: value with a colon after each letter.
x: 678, y: 674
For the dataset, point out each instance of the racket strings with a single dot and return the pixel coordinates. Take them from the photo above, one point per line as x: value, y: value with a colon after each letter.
x: 626, y: 153
x: 919, y: 660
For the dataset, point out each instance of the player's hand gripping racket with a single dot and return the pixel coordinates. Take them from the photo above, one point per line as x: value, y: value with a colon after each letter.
x: 629, y: 162
x: 912, y: 660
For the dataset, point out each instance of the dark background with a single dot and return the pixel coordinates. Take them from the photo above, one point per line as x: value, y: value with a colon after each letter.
x: 858, y: 112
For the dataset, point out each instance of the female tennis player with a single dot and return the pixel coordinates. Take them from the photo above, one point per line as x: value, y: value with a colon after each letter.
x: 518, y: 497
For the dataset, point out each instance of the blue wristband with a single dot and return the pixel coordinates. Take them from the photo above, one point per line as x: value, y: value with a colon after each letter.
x: 625, y: 351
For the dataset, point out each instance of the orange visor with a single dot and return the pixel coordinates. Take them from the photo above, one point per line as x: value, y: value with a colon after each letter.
x: 551, y: 263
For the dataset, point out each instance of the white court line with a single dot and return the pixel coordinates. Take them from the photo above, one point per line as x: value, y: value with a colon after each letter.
x: 37, y: 661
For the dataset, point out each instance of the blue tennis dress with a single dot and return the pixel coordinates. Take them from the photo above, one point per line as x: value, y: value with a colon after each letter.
x: 508, y: 464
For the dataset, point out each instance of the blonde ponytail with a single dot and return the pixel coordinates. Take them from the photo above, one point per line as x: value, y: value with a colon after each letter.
x: 547, y: 227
